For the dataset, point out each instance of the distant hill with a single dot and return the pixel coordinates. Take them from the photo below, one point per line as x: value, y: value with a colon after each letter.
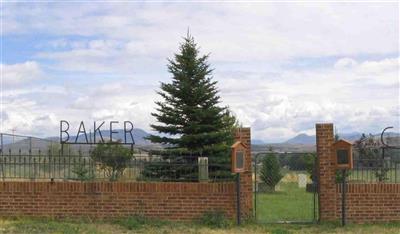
x: 302, y: 139
x: 304, y: 142
x: 139, y: 136
x: 257, y: 142
x: 43, y: 144
x: 310, y: 139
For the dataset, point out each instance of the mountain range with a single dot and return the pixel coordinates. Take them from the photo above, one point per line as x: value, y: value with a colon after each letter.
x: 304, y: 139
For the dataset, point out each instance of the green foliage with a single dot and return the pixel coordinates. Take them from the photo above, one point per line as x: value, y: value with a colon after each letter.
x: 82, y: 172
x: 270, y: 172
x: 139, y: 221
x: 113, y: 159
x: 339, y: 175
x: 309, y: 161
x: 215, y: 219
x: 370, y: 156
x: 190, y: 117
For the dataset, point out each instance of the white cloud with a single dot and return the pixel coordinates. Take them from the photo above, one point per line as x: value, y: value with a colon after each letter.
x: 118, y: 51
x: 233, y: 32
x: 345, y: 63
x: 20, y: 73
x: 356, y: 99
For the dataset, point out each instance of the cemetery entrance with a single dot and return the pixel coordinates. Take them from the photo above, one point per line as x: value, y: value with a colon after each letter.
x: 285, y: 187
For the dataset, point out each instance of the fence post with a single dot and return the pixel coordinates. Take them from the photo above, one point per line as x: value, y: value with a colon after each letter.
x: 238, y: 198
x: 246, y: 182
x: 1, y: 142
x: 343, y: 197
x: 326, y: 172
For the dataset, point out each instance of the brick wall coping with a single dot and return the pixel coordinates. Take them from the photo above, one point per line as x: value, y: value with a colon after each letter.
x: 119, y: 187
x: 370, y: 188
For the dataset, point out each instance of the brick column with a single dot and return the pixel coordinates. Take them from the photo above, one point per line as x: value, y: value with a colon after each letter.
x: 246, y: 184
x: 326, y: 172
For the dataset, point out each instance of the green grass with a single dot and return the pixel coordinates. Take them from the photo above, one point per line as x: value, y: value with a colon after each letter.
x: 289, y: 203
x: 47, y: 226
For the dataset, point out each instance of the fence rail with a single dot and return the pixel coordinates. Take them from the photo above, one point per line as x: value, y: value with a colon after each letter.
x: 144, y: 166
x: 379, y: 165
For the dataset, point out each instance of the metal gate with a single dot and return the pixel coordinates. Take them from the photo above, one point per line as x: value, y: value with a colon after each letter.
x: 285, y: 187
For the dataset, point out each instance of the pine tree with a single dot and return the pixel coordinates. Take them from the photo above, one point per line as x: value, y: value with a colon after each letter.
x: 270, y: 172
x: 190, y: 118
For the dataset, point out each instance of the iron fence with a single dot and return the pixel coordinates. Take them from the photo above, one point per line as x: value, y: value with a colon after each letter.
x: 378, y: 165
x: 143, y: 166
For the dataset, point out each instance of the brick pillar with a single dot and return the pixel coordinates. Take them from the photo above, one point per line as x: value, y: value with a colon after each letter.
x: 246, y: 184
x: 326, y: 172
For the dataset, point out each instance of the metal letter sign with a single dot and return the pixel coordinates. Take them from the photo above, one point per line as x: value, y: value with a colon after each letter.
x: 65, y: 134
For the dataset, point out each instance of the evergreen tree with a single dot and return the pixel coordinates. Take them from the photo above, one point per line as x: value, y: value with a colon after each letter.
x: 270, y: 172
x: 190, y: 119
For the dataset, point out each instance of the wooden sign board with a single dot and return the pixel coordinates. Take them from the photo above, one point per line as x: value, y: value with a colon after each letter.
x: 238, y: 157
x: 343, y: 154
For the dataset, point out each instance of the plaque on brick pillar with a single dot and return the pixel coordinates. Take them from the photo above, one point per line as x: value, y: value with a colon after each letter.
x: 343, y: 154
x: 238, y: 157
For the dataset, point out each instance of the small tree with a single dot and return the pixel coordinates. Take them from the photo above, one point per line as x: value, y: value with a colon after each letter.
x: 270, y: 171
x: 309, y: 160
x: 113, y: 159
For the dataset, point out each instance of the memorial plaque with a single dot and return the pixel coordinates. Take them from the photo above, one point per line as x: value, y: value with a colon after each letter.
x: 342, y: 156
x: 240, y: 160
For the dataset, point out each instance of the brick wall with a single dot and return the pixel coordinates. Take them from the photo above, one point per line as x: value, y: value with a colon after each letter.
x: 98, y: 200
x: 370, y: 202
x: 364, y: 202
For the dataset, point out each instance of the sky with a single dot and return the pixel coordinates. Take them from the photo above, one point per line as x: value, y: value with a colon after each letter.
x: 280, y: 67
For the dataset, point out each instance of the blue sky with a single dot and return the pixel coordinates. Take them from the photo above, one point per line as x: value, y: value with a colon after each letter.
x: 281, y: 67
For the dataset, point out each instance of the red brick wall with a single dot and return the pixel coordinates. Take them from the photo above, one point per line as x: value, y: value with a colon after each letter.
x: 370, y: 202
x: 364, y: 202
x: 170, y: 201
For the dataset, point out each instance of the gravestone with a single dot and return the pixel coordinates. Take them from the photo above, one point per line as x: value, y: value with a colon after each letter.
x: 203, y: 168
x: 302, y: 180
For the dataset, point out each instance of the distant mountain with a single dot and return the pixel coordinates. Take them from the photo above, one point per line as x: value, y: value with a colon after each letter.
x: 302, y: 139
x: 43, y: 144
x: 310, y: 139
x: 257, y: 142
x: 139, y: 136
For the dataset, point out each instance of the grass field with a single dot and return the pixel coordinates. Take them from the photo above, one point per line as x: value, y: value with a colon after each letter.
x: 43, y: 226
x: 288, y: 203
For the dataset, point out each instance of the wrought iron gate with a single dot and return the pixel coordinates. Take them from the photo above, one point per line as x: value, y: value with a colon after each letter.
x: 285, y: 187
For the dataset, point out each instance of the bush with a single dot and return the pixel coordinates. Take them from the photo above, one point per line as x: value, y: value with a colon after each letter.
x: 138, y: 221
x: 270, y: 172
x: 214, y: 219
x: 83, y: 173
x: 113, y: 159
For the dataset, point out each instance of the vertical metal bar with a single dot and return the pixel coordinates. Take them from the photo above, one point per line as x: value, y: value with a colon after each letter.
x: 1, y: 160
x: 343, y: 197
x: 255, y: 187
x: 1, y: 142
x: 238, y: 198
x: 30, y: 143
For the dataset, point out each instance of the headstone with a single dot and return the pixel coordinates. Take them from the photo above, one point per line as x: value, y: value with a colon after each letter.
x: 203, y: 168
x: 302, y: 180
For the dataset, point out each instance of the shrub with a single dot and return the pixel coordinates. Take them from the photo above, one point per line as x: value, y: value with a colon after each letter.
x: 82, y: 172
x: 113, y: 159
x: 214, y: 219
x: 138, y: 221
